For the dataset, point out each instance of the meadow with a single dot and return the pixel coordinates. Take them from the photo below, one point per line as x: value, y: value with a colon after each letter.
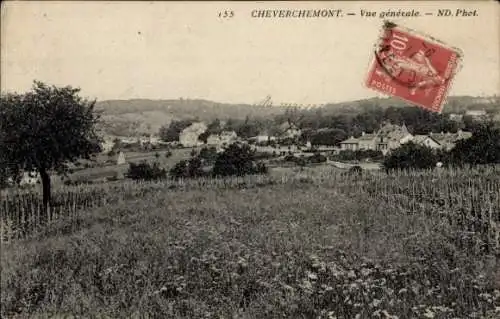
x: 297, y: 243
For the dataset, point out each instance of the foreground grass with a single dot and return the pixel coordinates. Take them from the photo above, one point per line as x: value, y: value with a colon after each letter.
x: 297, y: 249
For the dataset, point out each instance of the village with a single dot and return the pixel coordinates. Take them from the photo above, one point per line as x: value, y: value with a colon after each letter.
x: 118, y: 151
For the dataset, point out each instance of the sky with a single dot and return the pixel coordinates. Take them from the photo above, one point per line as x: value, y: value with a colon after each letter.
x: 169, y: 50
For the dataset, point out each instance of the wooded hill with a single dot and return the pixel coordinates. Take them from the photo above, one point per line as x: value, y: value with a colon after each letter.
x: 143, y: 116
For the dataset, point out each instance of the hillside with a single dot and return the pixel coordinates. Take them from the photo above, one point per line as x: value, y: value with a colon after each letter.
x: 147, y: 116
x: 309, y: 244
x: 143, y: 116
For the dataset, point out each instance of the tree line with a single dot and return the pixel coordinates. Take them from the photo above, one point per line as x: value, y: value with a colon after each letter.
x: 329, y: 129
x: 482, y: 148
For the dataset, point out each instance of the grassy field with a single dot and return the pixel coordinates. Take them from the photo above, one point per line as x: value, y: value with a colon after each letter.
x: 310, y: 243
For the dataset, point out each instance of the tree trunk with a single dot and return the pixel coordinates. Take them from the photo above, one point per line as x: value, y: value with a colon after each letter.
x: 45, y: 190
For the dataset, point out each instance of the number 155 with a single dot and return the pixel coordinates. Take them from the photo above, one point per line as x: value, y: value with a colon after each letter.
x: 226, y: 14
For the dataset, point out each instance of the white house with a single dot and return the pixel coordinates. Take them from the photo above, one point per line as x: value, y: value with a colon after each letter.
x: 129, y: 140
x: 262, y: 138
x: 448, y: 140
x: 189, y: 136
x: 224, y: 137
x: 477, y: 114
x: 426, y: 140
x: 387, y: 138
x: 107, y: 145
x: 153, y: 140
x: 289, y: 130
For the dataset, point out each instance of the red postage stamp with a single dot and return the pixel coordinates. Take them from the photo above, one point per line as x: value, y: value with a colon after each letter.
x: 413, y: 67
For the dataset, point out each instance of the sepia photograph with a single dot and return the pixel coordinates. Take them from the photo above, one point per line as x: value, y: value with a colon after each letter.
x: 250, y: 159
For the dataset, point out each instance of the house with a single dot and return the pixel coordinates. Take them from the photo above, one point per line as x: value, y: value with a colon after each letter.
x: 154, y: 140
x: 151, y: 140
x: 351, y: 144
x: 385, y: 139
x: 392, y: 136
x: 128, y: 140
x: 226, y: 137
x: 107, y: 145
x: 259, y: 139
x: 426, y: 140
x: 496, y: 117
x: 289, y: 131
x: 455, y: 117
x: 367, y: 141
x: 448, y: 140
x: 189, y: 136
x: 477, y: 115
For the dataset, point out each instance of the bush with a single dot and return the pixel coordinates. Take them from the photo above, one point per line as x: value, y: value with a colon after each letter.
x: 264, y: 155
x: 290, y: 158
x: 188, y: 169
x: 261, y: 168
x: 317, y: 158
x: 482, y: 148
x: 237, y: 160
x: 145, y: 171
x: 208, y: 154
x: 300, y: 161
x: 411, y: 156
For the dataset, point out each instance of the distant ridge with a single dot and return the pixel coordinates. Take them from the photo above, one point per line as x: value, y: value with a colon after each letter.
x: 146, y: 116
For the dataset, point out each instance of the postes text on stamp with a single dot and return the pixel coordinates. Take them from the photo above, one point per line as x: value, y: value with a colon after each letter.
x: 414, y: 67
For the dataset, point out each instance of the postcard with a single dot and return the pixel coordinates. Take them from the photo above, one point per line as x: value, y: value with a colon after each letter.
x: 253, y: 159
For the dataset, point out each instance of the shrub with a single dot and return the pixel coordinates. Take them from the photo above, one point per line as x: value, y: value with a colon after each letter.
x: 317, y: 158
x: 209, y: 154
x: 301, y: 161
x: 263, y: 155
x: 411, y: 156
x: 290, y: 158
x: 237, y: 160
x: 482, y: 148
x: 187, y: 169
x: 261, y: 168
x: 145, y: 171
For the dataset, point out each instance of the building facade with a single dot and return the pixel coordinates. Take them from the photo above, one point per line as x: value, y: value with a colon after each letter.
x: 390, y: 137
x: 385, y: 139
x: 189, y: 137
x: 225, y: 137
